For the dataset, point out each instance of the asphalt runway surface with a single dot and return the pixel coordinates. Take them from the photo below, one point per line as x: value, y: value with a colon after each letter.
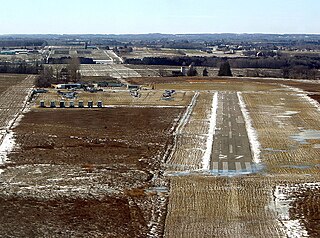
x: 231, y: 151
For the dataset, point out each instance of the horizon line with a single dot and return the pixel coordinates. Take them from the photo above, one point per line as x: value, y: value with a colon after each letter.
x: 158, y: 33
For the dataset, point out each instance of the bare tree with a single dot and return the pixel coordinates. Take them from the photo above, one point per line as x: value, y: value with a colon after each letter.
x: 57, y: 71
x: 162, y: 72
x: 74, y: 67
x: 45, y: 78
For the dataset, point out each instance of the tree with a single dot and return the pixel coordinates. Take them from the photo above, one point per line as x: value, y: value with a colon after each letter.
x: 57, y: 71
x: 205, y: 72
x: 45, y: 78
x: 285, y: 72
x: 73, y: 68
x: 192, y: 71
x: 225, y: 69
x: 162, y: 72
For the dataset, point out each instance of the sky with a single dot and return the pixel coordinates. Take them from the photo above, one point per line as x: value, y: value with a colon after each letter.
x: 159, y: 16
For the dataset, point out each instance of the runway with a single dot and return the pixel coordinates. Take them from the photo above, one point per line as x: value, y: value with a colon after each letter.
x: 231, y: 151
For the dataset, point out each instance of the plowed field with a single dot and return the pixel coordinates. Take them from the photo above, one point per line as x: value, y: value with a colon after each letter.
x: 86, y: 173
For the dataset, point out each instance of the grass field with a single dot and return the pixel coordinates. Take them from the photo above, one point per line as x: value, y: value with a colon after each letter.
x: 249, y: 206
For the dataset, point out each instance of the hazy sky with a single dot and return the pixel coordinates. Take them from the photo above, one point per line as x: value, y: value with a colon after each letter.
x: 159, y: 16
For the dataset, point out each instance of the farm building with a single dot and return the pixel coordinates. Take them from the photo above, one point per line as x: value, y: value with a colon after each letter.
x: 68, y: 86
x: 7, y: 52
x: 133, y: 86
x: 101, y: 61
x: 110, y: 84
x: 177, y: 73
x: 21, y: 51
x: 115, y: 85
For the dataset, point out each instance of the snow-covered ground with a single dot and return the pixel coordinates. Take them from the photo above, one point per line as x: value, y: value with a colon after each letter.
x: 252, y: 134
x: 303, y: 94
x: 6, y: 146
x: 283, y: 198
x: 211, y: 132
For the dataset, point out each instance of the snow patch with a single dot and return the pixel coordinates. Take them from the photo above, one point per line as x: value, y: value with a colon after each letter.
x: 7, y: 142
x: 306, y: 135
x: 252, y: 134
x: 313, y: 102
x: 298, y: 90
x: 212, y: 126
x: 293, y: 228
x: 6, y: 146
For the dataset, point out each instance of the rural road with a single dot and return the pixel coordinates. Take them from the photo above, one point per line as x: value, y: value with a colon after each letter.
x: 231, y: 151
x: 113, y: 56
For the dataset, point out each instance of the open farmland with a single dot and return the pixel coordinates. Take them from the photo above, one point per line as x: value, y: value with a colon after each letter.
x: 152, y: 70
x: 92, y: 180
x: 220, y: 158
x: 97, y: 54
x: 204, y: 83
x: 288, y: 128
x: 251, y: 206
x: 13, y: 100
x: 15, y: 93
x: 191, y: 135
x: 140, y: 53
x: 111, y: 70
x: 22, y: 57
x: 9, y: 80
x: 166, y: 70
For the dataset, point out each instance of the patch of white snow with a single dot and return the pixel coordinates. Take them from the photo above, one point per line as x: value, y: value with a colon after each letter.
x: 212, y: 126
x: 252, y: 134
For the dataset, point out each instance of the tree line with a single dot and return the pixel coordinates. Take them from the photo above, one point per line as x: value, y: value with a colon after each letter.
x: 20, y: 68
x: 56, y: 74
x: 312, y: 62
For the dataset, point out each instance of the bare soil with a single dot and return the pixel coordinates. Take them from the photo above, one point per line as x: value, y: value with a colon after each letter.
x: 305, y: 207
x: 85, y: 173
x: 107, y: 136
x: 110, y: 217
x: 8, y: 80
x: 315, y: 97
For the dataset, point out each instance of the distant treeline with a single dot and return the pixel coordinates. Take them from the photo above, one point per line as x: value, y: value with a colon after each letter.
x: 305, y: 67
x: 19, y: 68
x: 22, y: 43
x: 66, y: 60
x: 311, y: 62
